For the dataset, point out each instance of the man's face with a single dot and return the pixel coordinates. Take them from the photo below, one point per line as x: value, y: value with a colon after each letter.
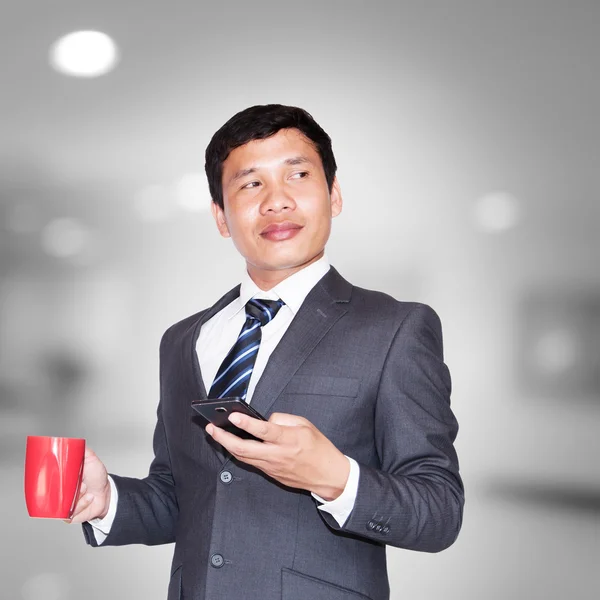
x: 278, y: 208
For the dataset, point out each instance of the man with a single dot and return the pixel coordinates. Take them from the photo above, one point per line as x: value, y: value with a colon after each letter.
x: 358, y: 449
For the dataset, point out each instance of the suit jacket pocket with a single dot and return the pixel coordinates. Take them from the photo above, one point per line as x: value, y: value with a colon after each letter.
x: 175, y: 584
x: 323, y: 386
x: 297, y: 586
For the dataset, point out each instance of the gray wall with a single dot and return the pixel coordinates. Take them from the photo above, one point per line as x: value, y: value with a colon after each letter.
x: 466, y: 134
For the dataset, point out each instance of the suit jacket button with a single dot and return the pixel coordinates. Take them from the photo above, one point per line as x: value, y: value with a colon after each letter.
x: 217, y: 561
x: 371, y: 525
x: 386, y: 530
x: 226, y: 477
x: 378, y: 528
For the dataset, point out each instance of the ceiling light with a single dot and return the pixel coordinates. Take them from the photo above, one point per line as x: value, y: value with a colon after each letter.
x: 84, y: 54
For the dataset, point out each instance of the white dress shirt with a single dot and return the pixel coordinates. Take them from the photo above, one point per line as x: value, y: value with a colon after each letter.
x: 216, y: 338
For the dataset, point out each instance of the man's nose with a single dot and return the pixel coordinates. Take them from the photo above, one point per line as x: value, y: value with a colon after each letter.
x: 278, y: 199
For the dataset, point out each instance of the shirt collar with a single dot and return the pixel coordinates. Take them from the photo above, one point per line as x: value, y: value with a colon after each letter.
x: 292, y: 290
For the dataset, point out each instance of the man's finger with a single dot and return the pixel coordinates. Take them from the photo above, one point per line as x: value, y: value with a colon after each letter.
x: 81, y: 509
x: 287, y: 420
x: 245, y: 449
x: 264, y: 430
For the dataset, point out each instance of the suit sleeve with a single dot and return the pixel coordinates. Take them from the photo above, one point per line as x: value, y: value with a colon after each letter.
x: 415, y: 498
x: 147, y: 508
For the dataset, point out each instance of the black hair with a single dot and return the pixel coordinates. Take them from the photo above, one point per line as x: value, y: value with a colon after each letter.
x: 257, y: 123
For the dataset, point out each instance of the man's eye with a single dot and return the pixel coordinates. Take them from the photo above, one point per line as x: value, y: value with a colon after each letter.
x: 250, y: 184
x: 300, y: 175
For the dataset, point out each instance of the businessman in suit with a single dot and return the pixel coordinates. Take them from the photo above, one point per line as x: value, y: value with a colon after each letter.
x: 357, y: 452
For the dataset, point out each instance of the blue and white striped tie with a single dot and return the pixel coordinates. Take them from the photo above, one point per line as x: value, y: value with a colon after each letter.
x: 234, y: 373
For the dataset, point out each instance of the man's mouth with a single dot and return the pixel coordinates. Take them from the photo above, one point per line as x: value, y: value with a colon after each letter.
x: 276, y: 232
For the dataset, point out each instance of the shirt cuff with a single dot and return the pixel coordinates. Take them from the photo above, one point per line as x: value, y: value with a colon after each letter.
x: 101, y: 527
x: 342, y: 506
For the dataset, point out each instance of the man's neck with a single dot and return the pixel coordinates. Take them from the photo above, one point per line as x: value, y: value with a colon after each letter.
x: 268, y: 279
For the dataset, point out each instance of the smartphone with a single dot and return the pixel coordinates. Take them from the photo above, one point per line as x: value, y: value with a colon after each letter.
x: 218, y: 410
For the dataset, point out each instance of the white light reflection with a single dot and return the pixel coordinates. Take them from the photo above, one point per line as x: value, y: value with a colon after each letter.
x: 192, y: 193
x: 496, y: 212
x: 84, y: 54
x: 557, y: 351
x: 66, y: 238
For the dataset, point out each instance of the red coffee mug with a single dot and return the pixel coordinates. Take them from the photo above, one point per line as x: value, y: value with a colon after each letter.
x: 53, y: 474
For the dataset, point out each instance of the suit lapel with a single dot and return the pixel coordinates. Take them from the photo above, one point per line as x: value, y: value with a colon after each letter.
x: 323, y: 306
x: 195, y: 381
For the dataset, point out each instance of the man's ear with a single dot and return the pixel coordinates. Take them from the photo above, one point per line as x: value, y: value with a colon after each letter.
x: 219, y: 216
x: 336, y: 198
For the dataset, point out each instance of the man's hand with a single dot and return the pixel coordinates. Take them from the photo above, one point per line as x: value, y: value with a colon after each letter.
x: 293, y: 451
x: 94, y: 496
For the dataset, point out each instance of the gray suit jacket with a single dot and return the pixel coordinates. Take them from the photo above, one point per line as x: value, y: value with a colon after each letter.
x: 368, y: 371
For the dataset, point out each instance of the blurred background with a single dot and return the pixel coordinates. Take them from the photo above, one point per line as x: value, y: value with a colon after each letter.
x: 467, y: 139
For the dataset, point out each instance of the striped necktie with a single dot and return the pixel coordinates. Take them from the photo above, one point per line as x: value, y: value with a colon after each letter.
x: 234, y: 373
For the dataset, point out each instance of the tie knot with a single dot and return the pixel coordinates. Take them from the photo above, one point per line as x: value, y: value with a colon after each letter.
x: 263, y: 310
